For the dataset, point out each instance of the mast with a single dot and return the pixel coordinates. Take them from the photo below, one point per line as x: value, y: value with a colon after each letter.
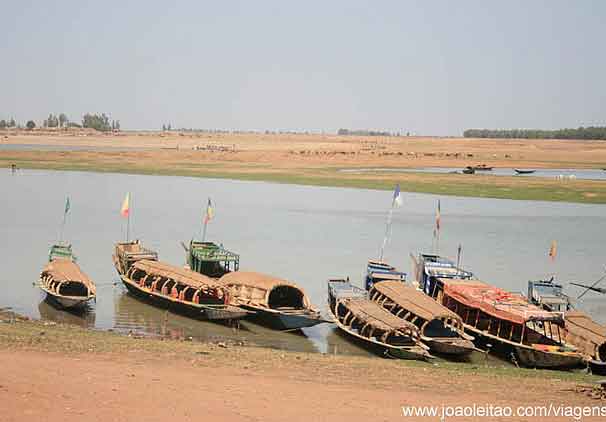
x: 395, y: 202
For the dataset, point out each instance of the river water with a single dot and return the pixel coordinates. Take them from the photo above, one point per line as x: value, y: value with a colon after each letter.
x: 564, y: 174
x: 304, y: 234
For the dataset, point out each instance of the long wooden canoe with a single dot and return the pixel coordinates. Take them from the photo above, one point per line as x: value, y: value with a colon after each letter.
x: 178, y: 289
x: 276, y: 302
x: 372, y: 325
x: 63, y: 281
x: 440, y: 328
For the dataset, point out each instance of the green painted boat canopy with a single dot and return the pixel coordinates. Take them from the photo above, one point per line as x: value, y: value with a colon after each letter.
x: 61, y: 250
x: 209, y: 251
x: 211, y: 259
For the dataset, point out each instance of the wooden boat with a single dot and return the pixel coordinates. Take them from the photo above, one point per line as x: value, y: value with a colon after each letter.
x: 589, y: 337
x: 440, y: 328
x: 175, y: 288
x: 549, y: 295
x: 377, y: 271
x: 468, y: 170
x: 482, y: 167
x: 520, y: 171
x: 528, y: 334
x: 211, y: 259
x: 428, y: 267
x: 277, y: 303
x: 580, y: 329
x: 63, y: 281
x: 371, y: 324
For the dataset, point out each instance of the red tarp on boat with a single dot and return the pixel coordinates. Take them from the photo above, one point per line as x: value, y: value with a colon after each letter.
x: 496, y: 302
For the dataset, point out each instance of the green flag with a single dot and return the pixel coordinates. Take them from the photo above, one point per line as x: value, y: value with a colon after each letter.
x: 67, y: 206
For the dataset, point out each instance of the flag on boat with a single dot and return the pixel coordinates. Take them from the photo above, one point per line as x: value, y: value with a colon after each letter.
x: 438, y: 217
x: 553, y: 250
x: 397, y: 198
x: 67, y: 206
x: 125, y: 210
x: 210, y: 213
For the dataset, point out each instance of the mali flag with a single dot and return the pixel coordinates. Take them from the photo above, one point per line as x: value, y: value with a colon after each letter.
x: 210, y: 213
x: 125, y: 210
x: 553, y: 250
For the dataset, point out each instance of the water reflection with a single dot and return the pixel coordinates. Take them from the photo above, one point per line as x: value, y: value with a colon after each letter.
x: 133, y: 315
x: 84, y: 318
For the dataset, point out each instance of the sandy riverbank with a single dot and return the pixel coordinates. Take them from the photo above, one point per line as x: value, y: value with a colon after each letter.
x: 317, y: 159
x: 60, y: 373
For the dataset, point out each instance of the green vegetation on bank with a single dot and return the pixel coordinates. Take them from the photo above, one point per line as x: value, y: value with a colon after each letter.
x: 483, y: 186
x: 592, y: 133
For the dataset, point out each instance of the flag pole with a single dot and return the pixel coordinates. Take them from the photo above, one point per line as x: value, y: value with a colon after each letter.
x: 459, y: 256
x: 65, y: 211
x: 438, y: 242
x: 387, y: 230
x: 396, y: 201
x: 128, y: 218
x: 204, y: 229
x: 62, y: 227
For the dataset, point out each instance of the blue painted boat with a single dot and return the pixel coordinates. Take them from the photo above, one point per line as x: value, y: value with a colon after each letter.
x: 377, y: 271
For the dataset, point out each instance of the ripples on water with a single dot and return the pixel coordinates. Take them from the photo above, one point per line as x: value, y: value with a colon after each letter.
x: 305, y: 234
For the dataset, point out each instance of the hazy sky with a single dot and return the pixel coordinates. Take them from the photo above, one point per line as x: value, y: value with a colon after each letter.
x: 429, y: 67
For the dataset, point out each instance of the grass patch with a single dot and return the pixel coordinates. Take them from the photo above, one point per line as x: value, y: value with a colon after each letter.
x: 482, y: 186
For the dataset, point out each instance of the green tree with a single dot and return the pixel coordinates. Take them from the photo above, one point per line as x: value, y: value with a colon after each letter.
x: 12, y: 123
x: 51, y: 121
x: 3, y: 124
x: 30, y: 124
x: 96, y: 121
x: 63, y: 120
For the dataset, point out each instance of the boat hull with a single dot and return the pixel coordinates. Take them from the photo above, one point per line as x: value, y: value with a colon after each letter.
x: 454, y: 346
x: 284, y: 321
x: 209, y: 312
x: 411, y: 352
x: 597, y: 367
x: 533, y: 358
x: 526, y: 356
x: 68, y: 302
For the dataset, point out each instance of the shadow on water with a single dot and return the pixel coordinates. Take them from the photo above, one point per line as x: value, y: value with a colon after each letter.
x: 133, y: 315
x: 50, y: 312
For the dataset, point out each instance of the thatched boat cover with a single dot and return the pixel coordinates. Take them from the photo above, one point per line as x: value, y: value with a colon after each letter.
x: 180, y: 275
x: 254, y: 279
x: 585, y: 333
x: 64, y: 270
x: 375, y: 315
x: 253, y: 288
x: 414, y: 301
x: 496, y: 302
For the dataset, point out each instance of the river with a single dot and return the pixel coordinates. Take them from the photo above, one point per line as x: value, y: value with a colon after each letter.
x: 301, y: 233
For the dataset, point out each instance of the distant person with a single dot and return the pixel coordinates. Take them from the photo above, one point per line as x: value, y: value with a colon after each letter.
x: 13, y: 168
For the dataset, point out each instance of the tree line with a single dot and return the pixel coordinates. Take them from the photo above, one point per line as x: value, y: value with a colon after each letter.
x: 364, y: 132
x: 591, y: 132
x: 100, y: 122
